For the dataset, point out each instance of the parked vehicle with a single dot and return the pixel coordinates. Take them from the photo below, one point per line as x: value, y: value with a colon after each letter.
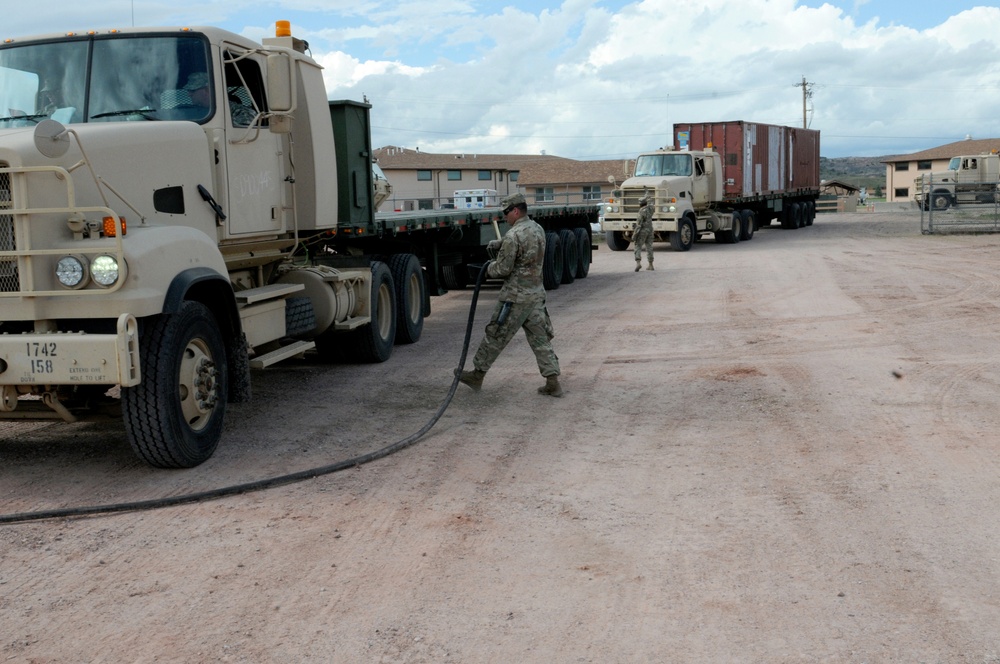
x: 180, y: 206
x: 723, y: 178
x: 968, y: 179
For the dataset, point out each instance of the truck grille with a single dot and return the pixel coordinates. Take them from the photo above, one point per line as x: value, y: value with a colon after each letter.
x: 9, y: 280
x: 630, y: 200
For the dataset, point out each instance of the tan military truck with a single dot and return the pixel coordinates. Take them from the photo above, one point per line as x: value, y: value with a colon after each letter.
x: 179, y: 206
x: 968, y: 179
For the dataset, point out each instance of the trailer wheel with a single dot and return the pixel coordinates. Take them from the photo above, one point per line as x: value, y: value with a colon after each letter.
x: 940, y: 200
x: 584, y: 252
x: 173, y: 418
x: 552, y: 267
x: 454, y: 277
x: 810, y: 212
x: 616, y: 240
x: 748, y: 222
x: 571, y: 255
x: 684, y: 237
x: 408, y: 279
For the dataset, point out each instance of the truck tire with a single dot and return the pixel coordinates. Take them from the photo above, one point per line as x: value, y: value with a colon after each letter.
x: 584, y: 252
x: 684, y: 237
x: 810, y: 212
x: 732, y: 234
x: 571, y: 255
x: 748, y: 223
x: 454, y: 277
x: 173, y: 418
x: 408, y: 280
x: 370, y: 343
x: 941, y: 200
x: 616, y: 240
x: 787, y: 216
x: 552, y: 267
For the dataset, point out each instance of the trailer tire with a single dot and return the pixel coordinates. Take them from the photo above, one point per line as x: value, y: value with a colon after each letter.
x: 408, y: 280
x: 747, y: 227
x: 174, y: 417
x: 552, y: 267
x: 684, y: 237
x: 454, y: 277
x: 571, y: 255
x: 810, y: 212
x: 616, y: 240
x: 585, y: 253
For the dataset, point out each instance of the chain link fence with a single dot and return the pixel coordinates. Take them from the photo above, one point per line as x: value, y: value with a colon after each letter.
x: 949, y: 207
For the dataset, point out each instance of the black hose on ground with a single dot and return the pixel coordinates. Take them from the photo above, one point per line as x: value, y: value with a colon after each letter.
x: 271, y: 482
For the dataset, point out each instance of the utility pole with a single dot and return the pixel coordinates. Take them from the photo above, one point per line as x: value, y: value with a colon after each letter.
x: 806, y: 94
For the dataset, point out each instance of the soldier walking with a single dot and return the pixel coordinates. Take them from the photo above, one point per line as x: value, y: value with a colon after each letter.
x: 521, y: 303
x: 643, y: 234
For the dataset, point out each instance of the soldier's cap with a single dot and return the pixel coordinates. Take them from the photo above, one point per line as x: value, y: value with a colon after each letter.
x: 511, y: 201
x: 197, y: 81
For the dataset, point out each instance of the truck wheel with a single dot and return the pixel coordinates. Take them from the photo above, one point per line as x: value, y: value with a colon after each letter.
x: 810, y: 212
x: 173, y: 418
x: 584, y: 252
x: 571, y: 255
x: 747, y: 226
x: 408, y: 279
x: 552, y: 267
x: 616, y: 240
x: 732, y: 235
x: 683, y: 238
x: 374, y: 343
x: 940, y: 200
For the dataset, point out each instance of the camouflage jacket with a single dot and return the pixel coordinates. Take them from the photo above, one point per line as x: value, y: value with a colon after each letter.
x: 519, y: 263
x: 645, y: 219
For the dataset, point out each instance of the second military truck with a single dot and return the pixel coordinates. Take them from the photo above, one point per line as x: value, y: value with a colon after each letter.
x: 725, y: 179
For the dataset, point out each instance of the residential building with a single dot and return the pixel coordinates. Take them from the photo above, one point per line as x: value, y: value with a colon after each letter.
x: 901, y: 170
x: 425, y: 181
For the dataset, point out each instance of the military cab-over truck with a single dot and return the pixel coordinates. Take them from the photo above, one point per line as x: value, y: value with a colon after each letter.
x: 179, y: 206
x: 726, y: 179
x: 969, y: 179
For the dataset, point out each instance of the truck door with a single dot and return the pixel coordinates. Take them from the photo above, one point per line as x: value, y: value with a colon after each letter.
x: 253, y: 154
x: 700, y: 181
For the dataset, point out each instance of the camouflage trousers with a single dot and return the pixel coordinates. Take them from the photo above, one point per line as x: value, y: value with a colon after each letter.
x: 643, y: 240
x: 533, y: 318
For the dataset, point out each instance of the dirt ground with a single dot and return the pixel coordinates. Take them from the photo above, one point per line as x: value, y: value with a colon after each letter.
x: 781, y: 451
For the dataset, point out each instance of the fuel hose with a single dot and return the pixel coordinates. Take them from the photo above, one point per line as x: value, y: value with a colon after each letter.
x: 270, y: 482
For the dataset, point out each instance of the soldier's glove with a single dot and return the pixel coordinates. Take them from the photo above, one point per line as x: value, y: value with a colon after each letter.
x: 493, y: 247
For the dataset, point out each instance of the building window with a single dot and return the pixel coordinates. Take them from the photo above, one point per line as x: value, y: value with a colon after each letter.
x: 591, y: 193
x: 454, y: 175
x: 485, y: 175
x: 423, y: 176
x: 425, y: 204
x: 903, y: 166
x: 513, y: 175
x: 544, y: 195
x: 901, y: 192
x: 925, y: 165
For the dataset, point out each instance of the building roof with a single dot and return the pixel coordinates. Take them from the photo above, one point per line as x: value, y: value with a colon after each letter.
x: 570, y: 171
x: 391, y: 157
x: 838, y: 184
x: 949, y: 150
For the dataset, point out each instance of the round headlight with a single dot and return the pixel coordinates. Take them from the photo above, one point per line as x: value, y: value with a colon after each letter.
x: 104, y: 270
x: 71, y: 271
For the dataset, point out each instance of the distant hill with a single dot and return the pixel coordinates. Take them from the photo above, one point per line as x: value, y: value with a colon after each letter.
x: 860, y: 171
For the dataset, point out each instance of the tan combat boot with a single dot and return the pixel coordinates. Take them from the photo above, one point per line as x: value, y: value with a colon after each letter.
x: 473, y: 379
x: 552, y: 387
x: 650, y: 267
x: 638, y: 265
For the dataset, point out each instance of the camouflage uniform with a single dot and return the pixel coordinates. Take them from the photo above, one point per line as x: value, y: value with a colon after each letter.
x: 643, y: 235
x: 519, y: 264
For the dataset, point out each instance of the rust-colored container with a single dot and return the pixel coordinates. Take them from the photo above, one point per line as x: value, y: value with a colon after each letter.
x: 757, y: 159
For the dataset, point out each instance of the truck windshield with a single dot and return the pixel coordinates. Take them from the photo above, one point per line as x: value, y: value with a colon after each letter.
x: 955, y: 163
x: 663, y: 164
x: 108, y: 79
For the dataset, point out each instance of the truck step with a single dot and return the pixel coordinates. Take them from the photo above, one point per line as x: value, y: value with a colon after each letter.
x: 283, y: 353
x: 270, y: 292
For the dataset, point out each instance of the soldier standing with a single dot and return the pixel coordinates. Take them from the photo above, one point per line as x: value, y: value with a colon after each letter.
x: 521, y: 303
x: 643, y: 235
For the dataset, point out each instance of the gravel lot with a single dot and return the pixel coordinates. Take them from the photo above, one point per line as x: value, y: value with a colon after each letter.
x: 780, y: 451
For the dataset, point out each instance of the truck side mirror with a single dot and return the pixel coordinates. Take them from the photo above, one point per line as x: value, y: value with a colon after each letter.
x: 280, y: 83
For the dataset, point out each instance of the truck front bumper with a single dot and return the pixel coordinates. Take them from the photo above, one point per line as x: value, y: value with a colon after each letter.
x: 72, y: 358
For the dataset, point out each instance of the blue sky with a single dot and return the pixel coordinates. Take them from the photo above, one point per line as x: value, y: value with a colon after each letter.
x: 593, y: 79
